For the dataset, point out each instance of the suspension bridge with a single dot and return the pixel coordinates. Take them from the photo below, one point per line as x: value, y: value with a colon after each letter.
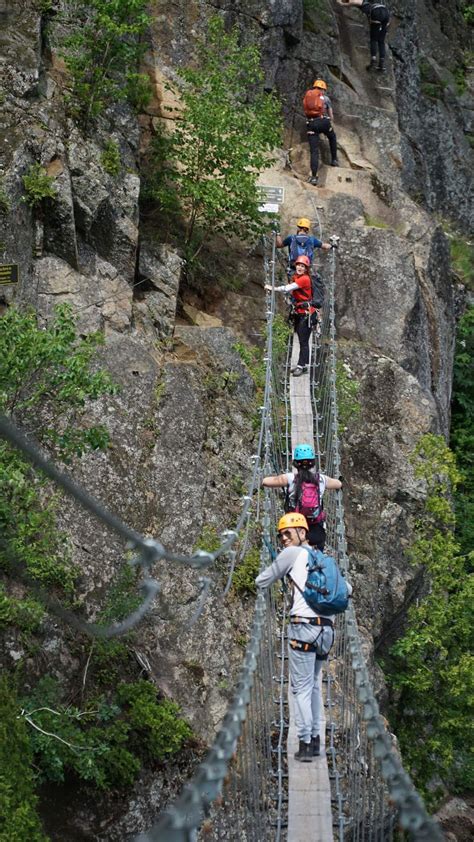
x: 249, y: 788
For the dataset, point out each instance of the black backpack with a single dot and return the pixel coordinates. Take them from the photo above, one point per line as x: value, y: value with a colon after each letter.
x: 378, y: 13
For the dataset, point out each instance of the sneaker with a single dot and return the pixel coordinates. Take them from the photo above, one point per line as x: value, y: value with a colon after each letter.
x: 381, y: 68
x: 334, y: 162
x: 313, y: 180
x: 304, y: 753
x: 299, y: 370
x: 316, y: 745
x: 371, y: 66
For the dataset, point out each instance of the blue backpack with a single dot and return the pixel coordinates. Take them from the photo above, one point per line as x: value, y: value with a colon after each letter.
x: 326, y: 590
x: 300, y: 244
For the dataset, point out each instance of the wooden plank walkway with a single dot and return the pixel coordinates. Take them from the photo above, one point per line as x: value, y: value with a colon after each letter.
x: 309, y: 792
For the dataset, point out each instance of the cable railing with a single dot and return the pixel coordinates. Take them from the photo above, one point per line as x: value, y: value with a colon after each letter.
x: 374, y: 798
x: 238, y: 791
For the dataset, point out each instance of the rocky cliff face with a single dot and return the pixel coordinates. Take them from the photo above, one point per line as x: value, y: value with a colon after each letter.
x: 181, y: 427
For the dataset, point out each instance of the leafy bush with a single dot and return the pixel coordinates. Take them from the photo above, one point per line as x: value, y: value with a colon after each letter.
x: 281, y: 334
x: 207, y: 168
x: 25, y: 614
x: 18, y: 818
x: 109, y: 657
x: 468, y: 11
x: 90, y: 742
x: 46, y: 377
x: 38, y: 185
x: 110, y: 158
x: 347, y: 388
x: 252, y: 357
x: 4, y: 200
x: 432, y: 671
x: 160, y: 731
x: 106, y: 742
x: 102, y: 54
x: 245, y: 573
x: 462, y: 256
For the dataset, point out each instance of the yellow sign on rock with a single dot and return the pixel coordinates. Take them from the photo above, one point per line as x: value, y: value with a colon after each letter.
x: 8, y: 273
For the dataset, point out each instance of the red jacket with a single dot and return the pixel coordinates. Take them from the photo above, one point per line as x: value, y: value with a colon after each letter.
x: 303, y: 295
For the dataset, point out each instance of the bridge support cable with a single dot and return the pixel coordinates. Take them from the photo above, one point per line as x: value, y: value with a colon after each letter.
x: 374, y: 798
x: 238, y: 791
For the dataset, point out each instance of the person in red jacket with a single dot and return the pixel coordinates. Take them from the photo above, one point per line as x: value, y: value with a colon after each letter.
x: 304, y: 313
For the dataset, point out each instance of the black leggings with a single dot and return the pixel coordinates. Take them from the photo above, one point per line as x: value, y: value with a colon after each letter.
x: 378, y: 32
x: 317, y: 536
x: 303, y: 329
x: 315, y: 127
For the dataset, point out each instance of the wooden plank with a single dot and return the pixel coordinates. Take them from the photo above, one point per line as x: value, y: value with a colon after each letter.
x: 309, y: 791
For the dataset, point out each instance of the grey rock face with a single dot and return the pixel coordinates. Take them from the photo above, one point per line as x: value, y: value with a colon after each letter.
x: 181, y: 442
x: 106, y: 208
x: 20, y: 56
x: 100, y: 299
x: 433, y: 118
x: 156, y: 292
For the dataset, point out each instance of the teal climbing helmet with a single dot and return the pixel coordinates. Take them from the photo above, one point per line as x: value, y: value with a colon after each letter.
x: 303, y: 451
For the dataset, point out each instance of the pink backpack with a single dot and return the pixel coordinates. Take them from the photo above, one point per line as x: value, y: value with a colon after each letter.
x: 309, y: 502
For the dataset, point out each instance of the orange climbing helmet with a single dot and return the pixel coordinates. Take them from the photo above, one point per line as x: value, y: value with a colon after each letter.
x: 320, y: 83
x: 304, y: 259
x: 292, y: 519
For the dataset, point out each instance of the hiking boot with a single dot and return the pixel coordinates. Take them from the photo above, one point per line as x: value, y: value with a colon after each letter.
x: 381, y: 67
x: 316, y: 745
x: 372, y: 65
x: 334, y: 162
x: 299, y: 370
x: 313, y: 180
x: 304, y: 753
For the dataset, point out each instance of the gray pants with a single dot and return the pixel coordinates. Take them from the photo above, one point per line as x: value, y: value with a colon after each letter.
x: 305, y: 670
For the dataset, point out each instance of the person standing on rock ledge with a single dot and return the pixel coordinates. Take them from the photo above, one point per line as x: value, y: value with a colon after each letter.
x: 319, y: 115
x: 379, y: 19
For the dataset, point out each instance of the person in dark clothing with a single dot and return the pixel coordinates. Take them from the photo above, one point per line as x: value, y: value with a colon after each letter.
x: 379, y: 19
x: 319, y: 115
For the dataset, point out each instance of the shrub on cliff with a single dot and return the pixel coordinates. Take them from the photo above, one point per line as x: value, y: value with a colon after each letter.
x: 102, y: 53
x: 433, y: 669
x: 205, y: 169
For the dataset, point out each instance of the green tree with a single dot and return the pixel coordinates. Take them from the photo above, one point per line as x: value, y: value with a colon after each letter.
x: 462, y: 428
x: 206, y: 167
x: 433, y: 668
x: 46, y: 378
x: 102, y: 54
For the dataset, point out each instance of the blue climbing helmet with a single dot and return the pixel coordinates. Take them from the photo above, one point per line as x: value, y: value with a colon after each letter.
x: 303, y: 451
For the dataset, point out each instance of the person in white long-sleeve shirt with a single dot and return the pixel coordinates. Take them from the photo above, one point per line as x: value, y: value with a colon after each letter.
x: 310, y: 636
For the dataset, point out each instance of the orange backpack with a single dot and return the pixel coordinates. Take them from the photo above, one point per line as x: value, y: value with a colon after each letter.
x: 314, y: 103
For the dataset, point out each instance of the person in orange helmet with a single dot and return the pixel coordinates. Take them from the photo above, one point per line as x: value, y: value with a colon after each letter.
x: 310, y: 635
x: 319, y: 115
